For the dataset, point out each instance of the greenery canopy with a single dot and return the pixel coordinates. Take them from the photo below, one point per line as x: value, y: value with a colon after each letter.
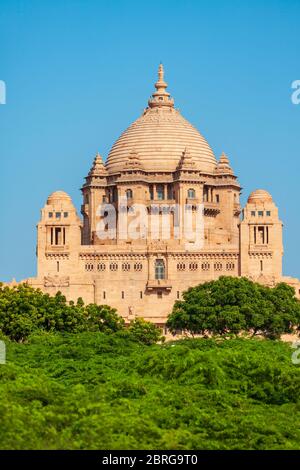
x: 105, y: 391
x: 234, y: 305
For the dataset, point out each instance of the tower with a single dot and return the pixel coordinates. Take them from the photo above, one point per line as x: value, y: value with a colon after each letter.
x: 261, y: 247
x: 58, y: 236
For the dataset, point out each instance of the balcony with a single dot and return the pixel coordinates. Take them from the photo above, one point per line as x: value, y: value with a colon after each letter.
x: 159, y: 284
x: 211, y: 208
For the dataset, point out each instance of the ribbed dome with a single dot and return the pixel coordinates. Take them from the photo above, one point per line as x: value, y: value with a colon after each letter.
x: 260, y: 195
x: 58, y: 197
x: 159, y: 137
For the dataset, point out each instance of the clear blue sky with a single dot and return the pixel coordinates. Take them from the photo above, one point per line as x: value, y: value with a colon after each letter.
x: 78, y: 72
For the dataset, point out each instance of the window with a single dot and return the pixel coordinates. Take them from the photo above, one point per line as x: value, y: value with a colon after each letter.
x: 159, y: 269
x: 125, y: 267
x: 205, y: 266
x: 170, y: 192
x: 261, y: 235
x: 178, y: 294
x: 129, y: 194
x: 160, y: 191
x: 113, y: 266
x: 104, y: 295
x: 66, y: 214
x: 260, y: 213
x: 217, y: 198
x: 229, y: 266
x: 101, y: 267
x: 261, y: 265
x: 180, y: 266
x: 89, y: 267
x: 57, y: 215
x: 193, y: 266
x: 141, y: 294
x: 57, y: 266
x: 58, y: 236
x: 159, y: 294
x: 253, y: 213
x: 50, y: 215
x: 151, y: 192
x: 138, y: 267
x: 191, y: 193
x: 268, y: 213
x: 123, y: 295
x: 218, y: 266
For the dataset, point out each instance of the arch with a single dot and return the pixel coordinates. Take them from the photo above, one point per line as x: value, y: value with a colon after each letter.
x: 129, y: 193
x: 191, y: 193
x: 160, y: 270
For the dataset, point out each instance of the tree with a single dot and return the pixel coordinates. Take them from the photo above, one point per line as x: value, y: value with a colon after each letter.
x: 232, y: 305
x: 25, y: 310
x: 144, y: 331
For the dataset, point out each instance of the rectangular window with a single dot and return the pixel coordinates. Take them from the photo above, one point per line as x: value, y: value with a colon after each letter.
x: 104, y: 295
x: 50, y: 215
x: 57, y: 236
x: 261, y: 265
x: 57, y: 215
x: 261, y: 235
x: 178, y: 294
x: 141, y: 295
x: 268, y: 213
x: 217, y: 198
x: 57, y: 266
x: 253, y: 213
x: 159, y: 294
x: 123, y: 295
x: 66, y: 214
x: 260, y: 213
x: 160, y: 192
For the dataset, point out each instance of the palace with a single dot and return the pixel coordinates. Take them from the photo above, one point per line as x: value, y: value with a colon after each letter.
x: 160, y: 161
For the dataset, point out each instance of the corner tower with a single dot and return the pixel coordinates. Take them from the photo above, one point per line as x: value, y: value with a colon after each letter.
x: 261, y: 247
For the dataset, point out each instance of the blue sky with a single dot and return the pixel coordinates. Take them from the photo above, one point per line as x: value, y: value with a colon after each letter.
x: 79, y: 72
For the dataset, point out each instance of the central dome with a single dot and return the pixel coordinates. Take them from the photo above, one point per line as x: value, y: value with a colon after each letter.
x: 159, y: 137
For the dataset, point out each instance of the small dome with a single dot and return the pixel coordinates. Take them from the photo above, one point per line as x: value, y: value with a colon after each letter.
x: 57, y: 197
x: 259, y: 195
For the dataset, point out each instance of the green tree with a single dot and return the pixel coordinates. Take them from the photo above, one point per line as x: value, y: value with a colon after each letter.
x: 144, y: 331
x: 231, y: 305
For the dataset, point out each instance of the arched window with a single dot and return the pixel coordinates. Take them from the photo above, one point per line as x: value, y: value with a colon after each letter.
x: 191, y: 193
x: 129, y: 193
x: 160, y: 271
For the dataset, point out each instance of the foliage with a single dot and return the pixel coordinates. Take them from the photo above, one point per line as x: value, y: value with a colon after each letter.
x: 145, y: 332
x: 25, y: 310
x: 233, y: 305
x: 105, y: 391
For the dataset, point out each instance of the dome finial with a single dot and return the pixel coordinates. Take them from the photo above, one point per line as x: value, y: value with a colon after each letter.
x: 161, y: 72
x: 161, y: 97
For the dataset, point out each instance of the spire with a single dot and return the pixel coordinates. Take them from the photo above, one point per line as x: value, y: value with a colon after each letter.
x: 133, y: 161
x: 161, y: 97
x: 186, y: 162
x: 224, y: 165
x: 98, y: 168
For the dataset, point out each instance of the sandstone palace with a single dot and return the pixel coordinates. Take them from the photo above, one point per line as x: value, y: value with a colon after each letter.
x: 160, y: 161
